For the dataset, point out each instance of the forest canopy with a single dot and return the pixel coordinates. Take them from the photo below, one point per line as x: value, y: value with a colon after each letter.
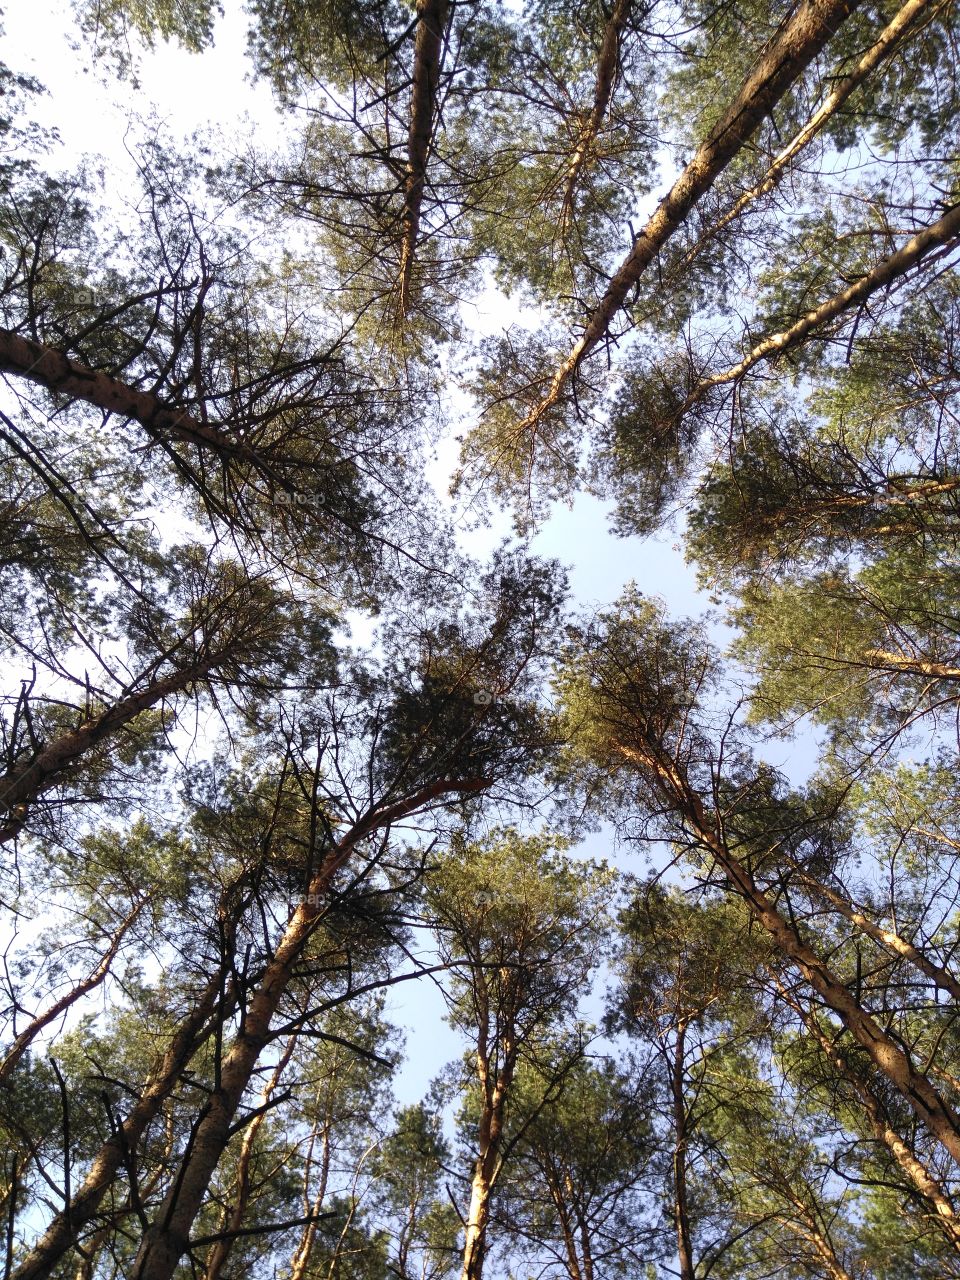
x: 300, y: 784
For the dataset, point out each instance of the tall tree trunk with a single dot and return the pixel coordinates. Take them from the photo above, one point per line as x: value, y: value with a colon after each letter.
x: 786, y: 57
x: 487, y: 1166
x: 930, y: 1190
x: 560, y: 1189
x: 106, y: 1165
x: 220, y: 1252
x: 481, y: 1188
x: 168, y: 1237
x: 681, y: 1214
x: 886, y: 44
x: 58, y: 372
x: 427, y: 57
x: 25, y: 781
x: 887, y: 1056
x: 586, y: 1248
x: 607, y: 65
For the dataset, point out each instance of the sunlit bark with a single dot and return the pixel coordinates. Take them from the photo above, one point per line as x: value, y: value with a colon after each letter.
x: 788, y: 55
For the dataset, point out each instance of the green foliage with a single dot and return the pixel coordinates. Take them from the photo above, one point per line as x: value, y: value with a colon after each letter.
x: 584, y: 1153
x: 644, y: 463
x: 409, y: 1168
x: 111, y: 24
x: 299, y: 45
x: 519, y: 922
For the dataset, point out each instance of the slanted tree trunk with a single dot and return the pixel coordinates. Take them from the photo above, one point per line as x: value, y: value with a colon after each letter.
x: 82, y: 988
x: 887, y: 1056
x: 883, y: 47
x: 786, y: 58
x: 931, y: 1191
x: 908, y: 664
x: 107, y: 1164
x: 58, y: 372
x: 167, y: 1238
x: 938, y: 234
x: 807, y: 1229
x: 26, y: 780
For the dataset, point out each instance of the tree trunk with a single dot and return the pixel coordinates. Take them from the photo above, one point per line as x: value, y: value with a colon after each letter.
x: 481, y: 1188
x: 892, y: 1061
x: 168, y: 1237
x: 885, y: 45
x: 27, y: 780
x: 559, y: 1189
x: 82, y: 1208
x: 808, y: 1230
x: 910, y: 665
x: 606, y: 77
x: 586, y: 1248
x: 680, y: 1215
x: 890, y: 940
x: 220, y: 1252
x: 53, y: 369
x: 917, y: 1173
x: 428, y: 51
x: 786, y: 58
x: 487, y: 1167
x: 301, y: 1257
x: 897, y: 264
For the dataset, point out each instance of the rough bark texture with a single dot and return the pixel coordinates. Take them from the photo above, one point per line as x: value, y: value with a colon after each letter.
x: 56, y: 371
x: 681, y: 1216
x: 917, y: 1173
x: 428, y: 53
x: 786, y: 58
x: 494, y: 1087
x: 484, y: 1177
x: 168, y: 1237
x: 21, y: 785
